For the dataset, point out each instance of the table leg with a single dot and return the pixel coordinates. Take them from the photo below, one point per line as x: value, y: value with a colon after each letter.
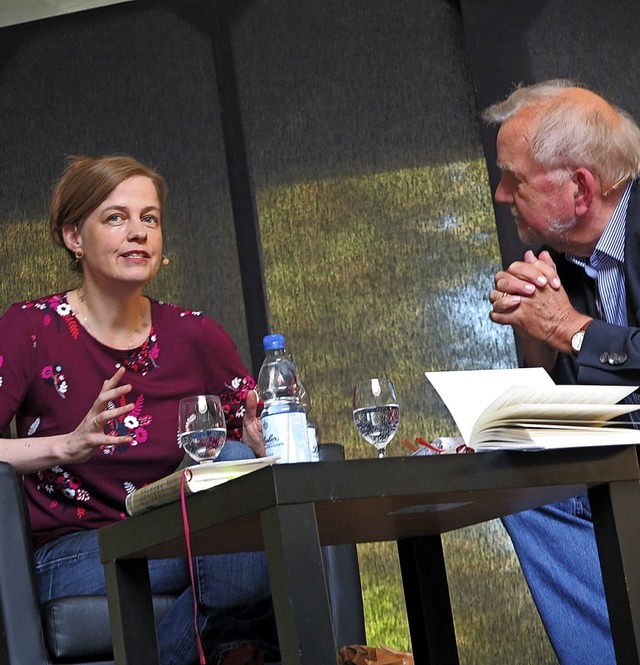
x: 615, y: 517
x: 426, y: 592
x: 131, y: 612
x: 298, y: 585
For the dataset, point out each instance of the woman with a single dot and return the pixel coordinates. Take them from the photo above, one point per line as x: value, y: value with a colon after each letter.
x: 93, y: 377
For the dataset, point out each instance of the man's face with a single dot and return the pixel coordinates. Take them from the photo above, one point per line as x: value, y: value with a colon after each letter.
x: 541, y: 201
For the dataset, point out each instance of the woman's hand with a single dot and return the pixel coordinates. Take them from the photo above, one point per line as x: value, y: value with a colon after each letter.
x: 31, y: 454
x: 252, y: 425
x: 79, y: 445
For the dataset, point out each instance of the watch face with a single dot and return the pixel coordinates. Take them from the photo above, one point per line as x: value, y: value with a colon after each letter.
x: 576, y: 341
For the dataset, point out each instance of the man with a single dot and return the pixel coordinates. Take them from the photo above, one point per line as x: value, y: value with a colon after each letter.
x: 570, y: 163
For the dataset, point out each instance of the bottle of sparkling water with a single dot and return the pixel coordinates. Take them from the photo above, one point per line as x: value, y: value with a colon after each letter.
x: 284, y: 422
x: 312, y: 436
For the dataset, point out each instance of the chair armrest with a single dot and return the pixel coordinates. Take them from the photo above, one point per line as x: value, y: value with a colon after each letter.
x: 21, y: 638
x: 77, y: 628
x: 330, y: 452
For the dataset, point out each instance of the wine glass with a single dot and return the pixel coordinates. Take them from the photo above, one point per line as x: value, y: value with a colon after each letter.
x: 202, y: 428
x: 376, y: 412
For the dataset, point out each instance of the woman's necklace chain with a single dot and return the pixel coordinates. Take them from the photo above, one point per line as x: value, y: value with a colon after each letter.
x: 140, y: 324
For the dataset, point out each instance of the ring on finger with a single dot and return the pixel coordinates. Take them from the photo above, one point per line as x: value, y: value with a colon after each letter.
x: 96, y: 423
x: 504, y: 294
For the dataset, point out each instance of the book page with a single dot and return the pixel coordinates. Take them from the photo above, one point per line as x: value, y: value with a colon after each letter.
x: 514, y: 438
x: 561, y: 414
x: 524, y: 407
x: 561, y: 403
x: 467, y: 393
x: 563, y: 394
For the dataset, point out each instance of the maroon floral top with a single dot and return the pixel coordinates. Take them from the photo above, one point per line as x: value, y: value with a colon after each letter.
x: 51, y: 371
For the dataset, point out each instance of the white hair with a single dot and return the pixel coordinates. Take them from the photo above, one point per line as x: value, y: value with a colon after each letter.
x: 570, y: 134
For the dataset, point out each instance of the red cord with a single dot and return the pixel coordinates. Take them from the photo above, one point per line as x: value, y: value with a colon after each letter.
x: 187, y: 539
x: 426, y: 444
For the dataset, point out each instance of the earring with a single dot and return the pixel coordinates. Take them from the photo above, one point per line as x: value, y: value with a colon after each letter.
x: 79, y: 254
x: 165, y: 261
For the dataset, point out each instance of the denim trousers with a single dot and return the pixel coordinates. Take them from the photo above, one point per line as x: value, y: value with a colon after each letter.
x: 557, y: 551
x: 233, y: 592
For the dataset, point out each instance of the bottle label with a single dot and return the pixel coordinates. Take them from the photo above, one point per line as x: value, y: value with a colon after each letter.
x: 313, y: 443
x: 285, y: 436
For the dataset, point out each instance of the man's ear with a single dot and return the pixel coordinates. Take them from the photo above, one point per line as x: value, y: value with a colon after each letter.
x: 585, y: 183
x: 71, y: 238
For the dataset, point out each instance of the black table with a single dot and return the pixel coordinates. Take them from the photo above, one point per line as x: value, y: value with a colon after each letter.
x: 291, y: 510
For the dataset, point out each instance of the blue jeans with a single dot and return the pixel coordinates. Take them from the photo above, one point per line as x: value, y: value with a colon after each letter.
x: 557, y: 551
x: 233, y: 591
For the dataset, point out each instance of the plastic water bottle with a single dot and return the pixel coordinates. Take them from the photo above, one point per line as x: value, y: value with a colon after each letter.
x: 284, y: 422
x: 312, y: 435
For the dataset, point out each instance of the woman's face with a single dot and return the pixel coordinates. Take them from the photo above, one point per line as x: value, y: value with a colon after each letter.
x: 122, y: 238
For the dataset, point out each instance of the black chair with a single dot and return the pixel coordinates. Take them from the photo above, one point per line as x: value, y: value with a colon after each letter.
x: 75, y: 630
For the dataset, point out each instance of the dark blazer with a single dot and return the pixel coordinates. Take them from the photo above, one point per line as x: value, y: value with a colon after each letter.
x: 610, y: 355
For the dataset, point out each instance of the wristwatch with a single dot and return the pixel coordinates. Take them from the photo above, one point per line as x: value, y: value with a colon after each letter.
x: 577, y: 338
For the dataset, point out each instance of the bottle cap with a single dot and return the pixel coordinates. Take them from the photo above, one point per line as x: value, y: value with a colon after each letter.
x: 270, y: 342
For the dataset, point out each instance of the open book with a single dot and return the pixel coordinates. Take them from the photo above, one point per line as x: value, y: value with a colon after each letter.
x: 197, y: 477
x: 523, y: 409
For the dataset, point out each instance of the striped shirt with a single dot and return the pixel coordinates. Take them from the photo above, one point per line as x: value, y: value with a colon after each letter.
x: 606, y: 266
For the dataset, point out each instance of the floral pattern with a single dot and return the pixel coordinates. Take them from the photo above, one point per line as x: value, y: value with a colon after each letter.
x: 53, y: 375
x: 56, y: 304
x: 66, y: 362
x: 133, y: 424
x: 143, y: 360
x: 63, y: 488
x: 233, y: 404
